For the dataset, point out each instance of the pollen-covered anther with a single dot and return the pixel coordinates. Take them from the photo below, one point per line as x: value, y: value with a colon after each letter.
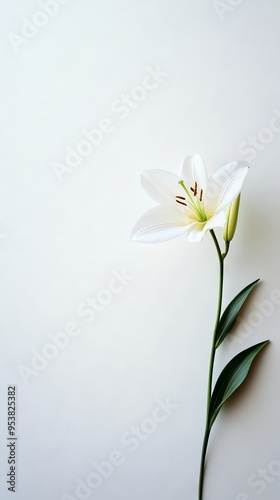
x: 194, y: 190
x: 200, y: 195
x: 179, y: 198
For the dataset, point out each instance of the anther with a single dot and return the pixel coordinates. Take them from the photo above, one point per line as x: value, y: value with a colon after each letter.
x: 181, y: 197
x: 182, y: 203
x: 194, y: 190
x: 200, y: 196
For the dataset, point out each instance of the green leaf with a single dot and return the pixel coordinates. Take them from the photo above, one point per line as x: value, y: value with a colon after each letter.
x: 230, y: 314
x: 232, y: 376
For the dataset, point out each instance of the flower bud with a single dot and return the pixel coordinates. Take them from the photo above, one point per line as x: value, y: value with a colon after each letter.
x: 232, y: 215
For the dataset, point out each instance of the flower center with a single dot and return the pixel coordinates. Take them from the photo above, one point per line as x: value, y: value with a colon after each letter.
x: 194, y: 201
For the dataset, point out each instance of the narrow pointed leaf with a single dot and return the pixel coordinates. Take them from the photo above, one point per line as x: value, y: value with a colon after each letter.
x: 232, y: 376
x: 230, y: 314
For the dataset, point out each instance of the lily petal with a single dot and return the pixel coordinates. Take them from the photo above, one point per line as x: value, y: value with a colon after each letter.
x: 161, y: 223
x: 193, y: 170
x: 224, y: 186
x: 161, y: 185
x: 196, y: 231
x: 217, y: 220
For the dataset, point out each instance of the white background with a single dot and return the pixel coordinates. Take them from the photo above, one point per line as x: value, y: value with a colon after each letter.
x: 62, y: 241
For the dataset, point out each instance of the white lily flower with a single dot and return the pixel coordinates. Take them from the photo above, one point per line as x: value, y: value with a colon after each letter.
x: 192, y: 203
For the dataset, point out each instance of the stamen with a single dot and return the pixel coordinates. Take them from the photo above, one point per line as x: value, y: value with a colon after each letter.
x: 182, y: 203
x: 194, y: 204
x: 181, y: 197
x: 194, y: 190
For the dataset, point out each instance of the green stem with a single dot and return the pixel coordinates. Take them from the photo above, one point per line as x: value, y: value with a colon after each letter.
x: 211, y: 364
